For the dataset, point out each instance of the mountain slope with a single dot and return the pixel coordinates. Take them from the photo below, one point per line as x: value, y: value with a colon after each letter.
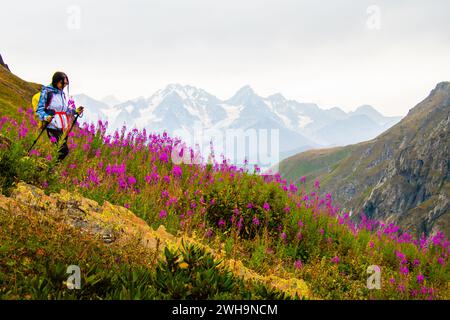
x: 400, y: 176
x: 14, y: 93
x: 275, y: 231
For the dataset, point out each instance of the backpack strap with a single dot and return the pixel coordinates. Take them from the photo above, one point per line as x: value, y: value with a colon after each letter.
x: 49, y: 99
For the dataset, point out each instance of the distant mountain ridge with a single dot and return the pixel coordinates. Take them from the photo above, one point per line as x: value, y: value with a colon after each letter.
x: 401, y: 176
x: 301, y: 125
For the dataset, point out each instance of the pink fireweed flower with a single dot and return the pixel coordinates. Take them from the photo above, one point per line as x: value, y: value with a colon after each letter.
x: 23, y: 131
x: 163, y: 157
x: 298, y: 264
x: 127, y: 205
x: 293, y: 188
x: 250, y: 206
x: 131, y: 180
x: 177, y: 172
x: 35, y: 152
x: 283, y: 236
x: 287, y: 209
x: 49, y: 157
x: 335, y: 259
x: 209, y: 233
x: 122, y: 183
x: 404, y: 270
x: 420, y: 278
x: 162, y: 214
x: 299, y: 236
x: 255, y: 221
x: 300, y: 223
x: 371, y: 244
x: 416, y: 262
x: 221, y: 223
x: 240, y: 223
x: 53, y: 140
x: 400, y: 255
x: 392, y: 280
x: 317, y: 184
x: 166, y: 179
x: 266, y: 206
x: 171, y: 201
x: 164, y: 194
x: 303, y: 179
x: 441, y: 261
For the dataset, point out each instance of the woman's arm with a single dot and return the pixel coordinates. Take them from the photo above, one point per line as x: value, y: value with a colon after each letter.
x: 40, y: 110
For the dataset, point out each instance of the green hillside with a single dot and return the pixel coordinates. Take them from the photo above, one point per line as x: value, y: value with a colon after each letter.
x: 140, y: 226
x: 14, y: 92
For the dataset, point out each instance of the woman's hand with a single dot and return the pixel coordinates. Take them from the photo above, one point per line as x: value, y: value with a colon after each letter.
x: 79, y: 110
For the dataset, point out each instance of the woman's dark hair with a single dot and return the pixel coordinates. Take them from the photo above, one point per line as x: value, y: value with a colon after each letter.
x: 57, y: 77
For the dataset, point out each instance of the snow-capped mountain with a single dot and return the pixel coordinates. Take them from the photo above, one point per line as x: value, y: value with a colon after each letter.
x: 300, y: 126
x: 110, y: 100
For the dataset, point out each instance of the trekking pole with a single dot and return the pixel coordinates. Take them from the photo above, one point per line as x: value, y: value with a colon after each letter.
x: 36, y: 140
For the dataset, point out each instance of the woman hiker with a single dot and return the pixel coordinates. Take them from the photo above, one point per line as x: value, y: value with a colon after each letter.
x: 53, y: 108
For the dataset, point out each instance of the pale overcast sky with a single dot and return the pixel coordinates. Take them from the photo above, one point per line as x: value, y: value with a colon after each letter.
x: 334, y: 53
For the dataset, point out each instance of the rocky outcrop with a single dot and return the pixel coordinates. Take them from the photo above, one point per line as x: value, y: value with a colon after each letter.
x: 3, y: 64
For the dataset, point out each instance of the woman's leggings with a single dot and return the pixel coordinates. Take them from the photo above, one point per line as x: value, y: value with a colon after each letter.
x: 63, y: 150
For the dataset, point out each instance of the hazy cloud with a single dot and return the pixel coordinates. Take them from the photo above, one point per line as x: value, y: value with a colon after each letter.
x: 309, y: 51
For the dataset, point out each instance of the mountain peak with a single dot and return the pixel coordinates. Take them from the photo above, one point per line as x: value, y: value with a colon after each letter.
x: 366, y: 107
x: 243, y: 95
x: 444, y: 85
x: 174, y: 86
x: 111, y: 100
x: 247, y: 89
x: 277, y: 97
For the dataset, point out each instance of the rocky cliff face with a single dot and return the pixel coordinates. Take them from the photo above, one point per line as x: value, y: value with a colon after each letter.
x: 2, y: 63
x: 401, y: 176
x: 414, y: 188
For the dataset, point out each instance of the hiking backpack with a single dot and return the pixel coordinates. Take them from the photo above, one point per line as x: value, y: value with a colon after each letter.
x: 35, y: 102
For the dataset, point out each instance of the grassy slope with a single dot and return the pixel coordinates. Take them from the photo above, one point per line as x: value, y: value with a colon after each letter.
x: 14, y: 93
